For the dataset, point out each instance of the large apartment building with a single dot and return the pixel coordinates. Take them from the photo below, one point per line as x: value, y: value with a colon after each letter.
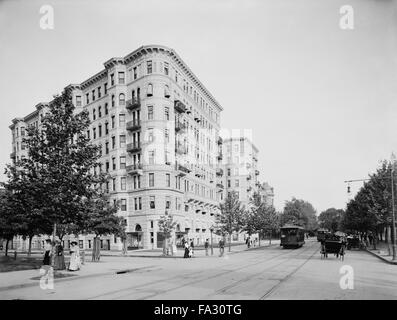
x: 240, y: 167
x: 158, y: 129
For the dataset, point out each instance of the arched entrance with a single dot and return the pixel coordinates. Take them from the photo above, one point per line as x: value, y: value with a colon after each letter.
x: 135, y: 239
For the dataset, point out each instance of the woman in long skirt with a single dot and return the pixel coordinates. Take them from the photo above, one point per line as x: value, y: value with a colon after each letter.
x: 75, y: 262
x: 186, y: 255
x: 59, y: 257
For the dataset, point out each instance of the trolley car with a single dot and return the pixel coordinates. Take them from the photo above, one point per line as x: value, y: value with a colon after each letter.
x: 292, y: 236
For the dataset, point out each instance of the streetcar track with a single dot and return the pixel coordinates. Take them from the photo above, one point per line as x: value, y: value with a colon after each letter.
x: 188, y: 283
x: 207, y: 278
x: 267, y: 269
x: 281, y: 281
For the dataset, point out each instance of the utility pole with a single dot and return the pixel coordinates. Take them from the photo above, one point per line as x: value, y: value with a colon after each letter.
x: 393, y: 229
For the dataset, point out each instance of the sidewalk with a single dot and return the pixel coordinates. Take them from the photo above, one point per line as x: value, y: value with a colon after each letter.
x: 381, y: 252
x: 110, y: 265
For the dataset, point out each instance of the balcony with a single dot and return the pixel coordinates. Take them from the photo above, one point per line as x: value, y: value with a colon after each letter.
x: 219, y: 185
x: 220, y: 140
x: 133, y: 147
x: 182, y: 168
x: 179, y: 106
x: 134, y: 169
x: 257, y: 172
x: 179, y: 126
x: 133, y: 104
x: 133, y: 125
x: 219, y: 172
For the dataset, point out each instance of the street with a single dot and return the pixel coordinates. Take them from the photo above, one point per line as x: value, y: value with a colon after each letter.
x: 260, y: 273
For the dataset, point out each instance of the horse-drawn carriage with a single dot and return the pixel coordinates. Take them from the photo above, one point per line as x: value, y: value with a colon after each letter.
x: 333, y: 244
x: 353, y: 242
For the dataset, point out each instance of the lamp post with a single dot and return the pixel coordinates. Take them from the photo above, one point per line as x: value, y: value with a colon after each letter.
x: 212, y: 248
x: 393, y: 229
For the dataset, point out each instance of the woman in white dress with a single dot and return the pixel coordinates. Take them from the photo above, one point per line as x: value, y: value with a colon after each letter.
x: 75, y: 262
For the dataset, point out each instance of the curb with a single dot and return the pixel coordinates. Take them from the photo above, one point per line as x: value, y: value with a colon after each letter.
x: 381, y: 258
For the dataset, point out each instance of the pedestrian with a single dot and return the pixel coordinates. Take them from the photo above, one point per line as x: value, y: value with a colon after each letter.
x: 59, y: 259
x: 221, y: 247
x: 370, y: 238
x: 186, y: 255
x: 248, y: 242
x: 206, y: 245
x: 75, y: 262
x: 191, y: 248
x: 47, y: 253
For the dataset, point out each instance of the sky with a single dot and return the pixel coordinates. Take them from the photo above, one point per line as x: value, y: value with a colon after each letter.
x: 321, y: 101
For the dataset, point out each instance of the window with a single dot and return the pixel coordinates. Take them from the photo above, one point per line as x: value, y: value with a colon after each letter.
x: 114, y: 163
x: 237, y: 183
x: 135, y: 184
x: 149, y: 66
x: 136, y: 203
x: 113, y: 100
x: 93, y: 95
x: 151, y: 157
x: 113, y: 142
x: 123, y: 206
x: 107, y: 166
x: 105, y: 89
x: 123, y: 183
x: 140, y: 203
x: 236, y: 171
x: 166, y: 91
x: 150, y: 112
x: 22, y: 131
x: 167, y: 113
x: 166, y: 68
x: 113, y: 122
x: 135, y: 73
x: 106, y: 109
x: 122, y: 162
x: 228, y: 183
x: 228, y: 172
x: 167, y: 202
x: 93, y: 114
x: 112, y: 79
x: 168, y: 180
x: 151, y: 179
x: 106, y: 128
x: 94, y: 133
x: 149, y: 90
x: 122, y: 141
x: 152, y: 202
x: 87, y: 98
x: 99, y: 111
x: 167, y: 135
x: 100, y: 130
x: 99, y: 92
x: 107, y: 147
x: 150, y: 134
x: 121, y: 78
x: 121, y: 99
x: 78, y: 101
x: 114, y: 184
x: 122, y: 120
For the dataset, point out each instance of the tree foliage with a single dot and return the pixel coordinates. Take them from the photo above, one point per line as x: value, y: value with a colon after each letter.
x: 299, y: 212
x: 330, y: 219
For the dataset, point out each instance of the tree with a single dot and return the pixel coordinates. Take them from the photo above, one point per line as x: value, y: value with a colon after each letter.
x: 299, y: 212
x: 166, y: 226
x: 330, y: 219
x: 101, y: 220
x: 60, y: 168
x: 10, y: 219
x: 231, y: 217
